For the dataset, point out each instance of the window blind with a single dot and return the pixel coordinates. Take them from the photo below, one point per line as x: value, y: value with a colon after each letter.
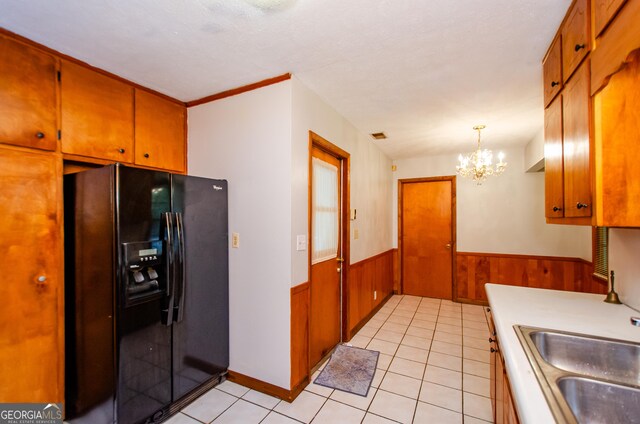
x: 325, y: 208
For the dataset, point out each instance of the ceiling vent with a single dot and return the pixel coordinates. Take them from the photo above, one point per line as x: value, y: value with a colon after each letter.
x: 379, y: 135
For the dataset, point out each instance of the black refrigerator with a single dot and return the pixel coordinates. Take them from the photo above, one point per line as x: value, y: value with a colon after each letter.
x: 146, y: 292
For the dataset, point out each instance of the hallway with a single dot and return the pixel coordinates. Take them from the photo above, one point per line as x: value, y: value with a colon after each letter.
x: 433, y: 368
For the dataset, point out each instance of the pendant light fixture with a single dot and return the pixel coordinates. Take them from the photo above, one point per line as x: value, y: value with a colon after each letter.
x: 478, y: 165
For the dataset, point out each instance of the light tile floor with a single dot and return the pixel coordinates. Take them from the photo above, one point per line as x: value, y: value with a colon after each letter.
x: 433, y: 368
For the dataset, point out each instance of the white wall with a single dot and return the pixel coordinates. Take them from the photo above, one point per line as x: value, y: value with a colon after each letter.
x: 503, y: 215
x: 370, y: 178
x: 259, y: 142
x: 624, y: 252
x: 246, y: 139
x: 534, y: 153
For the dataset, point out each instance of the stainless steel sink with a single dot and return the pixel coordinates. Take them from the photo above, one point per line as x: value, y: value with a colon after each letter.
x: 593, y: 356
x: 585, y: 379
x: 595, y: 401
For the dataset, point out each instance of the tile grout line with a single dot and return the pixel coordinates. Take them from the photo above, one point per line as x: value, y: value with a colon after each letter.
x: 427, y: 362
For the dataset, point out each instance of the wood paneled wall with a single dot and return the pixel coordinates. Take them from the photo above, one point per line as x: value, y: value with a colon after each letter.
x: 299, y: 334
x: 473, y: 270
x: 374, y: 274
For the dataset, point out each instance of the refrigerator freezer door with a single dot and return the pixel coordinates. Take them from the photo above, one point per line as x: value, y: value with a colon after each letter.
x: 144, y: 343
x: 201, y: 330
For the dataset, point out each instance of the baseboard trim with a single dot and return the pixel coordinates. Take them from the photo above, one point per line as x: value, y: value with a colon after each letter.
x: 267, y: 388
x: 472, y: 301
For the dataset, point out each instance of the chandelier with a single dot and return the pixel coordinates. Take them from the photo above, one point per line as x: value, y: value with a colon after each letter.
x: 478, y: 165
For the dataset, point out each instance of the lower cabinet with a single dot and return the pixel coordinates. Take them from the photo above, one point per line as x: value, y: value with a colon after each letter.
x: 504, y: 411
x: 31, y: 318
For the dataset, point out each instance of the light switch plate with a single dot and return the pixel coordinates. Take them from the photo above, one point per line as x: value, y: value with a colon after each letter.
x: 356, y: 234
x: 301, y: 242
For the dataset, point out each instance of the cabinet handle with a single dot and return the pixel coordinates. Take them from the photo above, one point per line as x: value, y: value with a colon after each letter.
x: 491, y: 340
x: 556, y: 209
x: 42, y: 279
x: 146, y: 155
x: 582, y: 205
x: 39, y: 134
x: 554, y: 83
x: 488, y: 309
x: 493, y: 350
x: 580, y: 46
x: 121, y: 150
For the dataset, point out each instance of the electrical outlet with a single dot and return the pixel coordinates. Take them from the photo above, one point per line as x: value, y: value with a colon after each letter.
x: 356, y: 235
x: 235, y: 240
x: 375, y: 295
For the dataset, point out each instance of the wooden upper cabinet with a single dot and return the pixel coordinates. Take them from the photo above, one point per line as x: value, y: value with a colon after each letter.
x: 32, y: 315
x: 28, y: 96
x: 553, y: 158
x: 618, y: 129
x: 615, y: 44
x: 552, y: 71
x: 97, y: 114
x: 604, y: 11
x: 576, y: 105
x: 575, y: 37
x: 159, y: 132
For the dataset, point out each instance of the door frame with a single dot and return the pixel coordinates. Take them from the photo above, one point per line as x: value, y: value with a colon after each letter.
x: 321, y: 143
x: 454, y: 243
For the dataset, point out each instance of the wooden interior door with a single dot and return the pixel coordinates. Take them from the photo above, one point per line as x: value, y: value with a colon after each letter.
x: 427, y: 237
x: 326, y: 264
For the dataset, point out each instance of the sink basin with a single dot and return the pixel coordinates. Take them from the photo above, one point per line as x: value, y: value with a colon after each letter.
x: 594, y: 401
x: 585, y: 379
x: 596, y: 357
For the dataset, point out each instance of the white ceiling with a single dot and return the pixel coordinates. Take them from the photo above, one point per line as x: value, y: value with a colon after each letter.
x: 422, y: 71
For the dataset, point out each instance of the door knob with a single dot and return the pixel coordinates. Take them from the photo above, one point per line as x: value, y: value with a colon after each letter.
x: 338, y: 269
x: 448, y: 245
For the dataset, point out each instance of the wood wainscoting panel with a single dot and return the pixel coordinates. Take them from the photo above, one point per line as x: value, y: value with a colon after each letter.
x: 547, y: 272
x: 299, y: 334
x: 396, y: 271
x: 369, y: 277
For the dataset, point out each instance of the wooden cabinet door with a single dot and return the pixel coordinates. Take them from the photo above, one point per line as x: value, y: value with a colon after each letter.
x: 576, y: 105
x: 604, y: 11
x: 618, y: 108
x: 31, y: 318
x: 28, y: 96
x: 553, y: 154
x: 575, y: 38
x: 97, y: 114
x: 160, y: 132
x: 615, y: 45
x: 510, y: 414
x: 552, y: 72
x: 499, y: 376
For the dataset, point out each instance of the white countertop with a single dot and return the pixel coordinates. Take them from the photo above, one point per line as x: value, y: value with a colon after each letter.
x: 553, y: 309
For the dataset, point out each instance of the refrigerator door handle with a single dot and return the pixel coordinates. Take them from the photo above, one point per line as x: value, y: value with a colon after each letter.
x: 181, y: 268
x: 167, y: 314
